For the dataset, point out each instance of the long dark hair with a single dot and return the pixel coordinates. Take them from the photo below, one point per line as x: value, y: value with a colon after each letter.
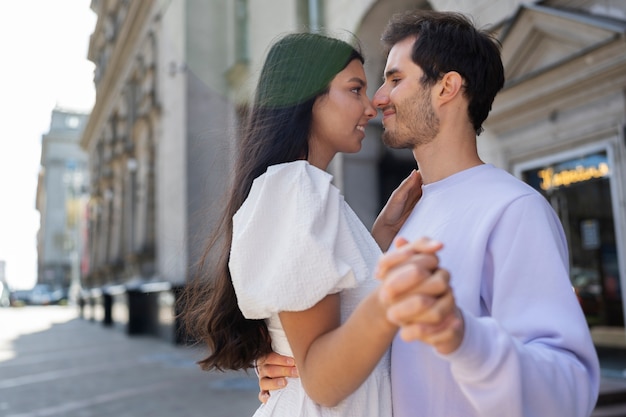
x: 298, y: 69
x: 448, y: 41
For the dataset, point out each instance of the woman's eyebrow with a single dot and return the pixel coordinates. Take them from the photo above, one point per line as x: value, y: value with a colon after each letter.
x: 357, y: 80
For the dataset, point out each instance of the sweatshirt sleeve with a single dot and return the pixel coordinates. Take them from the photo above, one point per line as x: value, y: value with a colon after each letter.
x: 533, y: 354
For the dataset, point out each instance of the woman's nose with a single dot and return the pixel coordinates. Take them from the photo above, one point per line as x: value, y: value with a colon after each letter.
x: 370, y: 110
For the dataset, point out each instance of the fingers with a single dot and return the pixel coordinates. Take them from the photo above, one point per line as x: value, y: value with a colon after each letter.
x: 414, y: 189
x: 264, y: 396
x: 429, y: 314
x: 272, y: 384
x: 400, y: 241
x: 273, y: 377
x: 407, y: 194
x: 406, y: 251
x: 422, y: 309
x: 397, y: 210
x: 423, y: 244
x: 445, y: 336
x: 404, y: 198
x: 431, y: 333
x: 274, y: 365
x: 407, y: 184
x: 414, y: 278
x: 410, y: 184
x: 273, y: 369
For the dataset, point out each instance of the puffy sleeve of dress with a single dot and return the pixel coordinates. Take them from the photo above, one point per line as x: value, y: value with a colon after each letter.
x: 286, y: 240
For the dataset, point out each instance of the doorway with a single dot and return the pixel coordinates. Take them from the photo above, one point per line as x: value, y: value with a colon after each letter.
x: 579, y: 190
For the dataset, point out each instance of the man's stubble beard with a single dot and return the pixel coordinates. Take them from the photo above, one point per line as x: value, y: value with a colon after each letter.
x: 416, y: 123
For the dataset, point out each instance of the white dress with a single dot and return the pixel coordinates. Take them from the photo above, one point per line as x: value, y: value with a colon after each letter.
x: 295, y: 240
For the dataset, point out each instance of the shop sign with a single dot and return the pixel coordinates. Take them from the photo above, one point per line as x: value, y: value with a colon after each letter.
x: 569, y: 172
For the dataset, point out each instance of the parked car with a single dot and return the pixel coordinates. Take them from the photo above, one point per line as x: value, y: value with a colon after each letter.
x: 44, y: 294
x: 19, y: 297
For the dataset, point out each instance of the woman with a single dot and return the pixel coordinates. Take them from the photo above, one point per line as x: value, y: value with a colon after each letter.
x: 296, y: 269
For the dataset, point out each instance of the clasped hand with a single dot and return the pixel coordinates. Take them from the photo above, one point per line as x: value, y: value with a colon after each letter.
x: 418, y: 295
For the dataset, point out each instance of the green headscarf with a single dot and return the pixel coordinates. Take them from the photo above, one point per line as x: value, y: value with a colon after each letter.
x: 300, y: 66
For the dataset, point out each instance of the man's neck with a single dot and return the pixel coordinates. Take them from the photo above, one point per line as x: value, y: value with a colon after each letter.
x: 445, y: 156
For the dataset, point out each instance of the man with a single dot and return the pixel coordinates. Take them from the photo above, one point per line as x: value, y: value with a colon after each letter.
x: 517, y: 343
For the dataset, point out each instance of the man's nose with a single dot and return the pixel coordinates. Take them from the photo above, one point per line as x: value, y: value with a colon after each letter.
x: 380, y: 98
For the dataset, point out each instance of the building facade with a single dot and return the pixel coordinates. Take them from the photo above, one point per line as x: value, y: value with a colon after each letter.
x: 559, y: 125
x: 158, y: 141
x: 61, y: 200
x: 174, y: 77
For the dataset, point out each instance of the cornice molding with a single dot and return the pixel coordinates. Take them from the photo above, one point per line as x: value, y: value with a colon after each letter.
x: 555, y: 61
x: 127, y: 42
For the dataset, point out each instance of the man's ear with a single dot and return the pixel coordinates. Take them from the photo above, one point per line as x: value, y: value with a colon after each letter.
x: 449, y: 86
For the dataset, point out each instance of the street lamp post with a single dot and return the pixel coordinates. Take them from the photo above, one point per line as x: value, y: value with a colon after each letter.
x: 74, y: 180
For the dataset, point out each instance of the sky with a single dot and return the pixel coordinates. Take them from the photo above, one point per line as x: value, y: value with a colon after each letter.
x: 43, y: 65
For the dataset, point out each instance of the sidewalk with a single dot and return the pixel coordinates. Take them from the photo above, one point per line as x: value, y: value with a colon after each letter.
x: 53, y: 363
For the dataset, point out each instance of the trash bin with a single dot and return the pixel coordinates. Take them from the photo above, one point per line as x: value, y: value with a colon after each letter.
x: 143, y: 307
x: 108, y: 300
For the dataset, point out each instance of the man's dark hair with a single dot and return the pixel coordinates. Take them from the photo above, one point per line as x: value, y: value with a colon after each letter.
x: 447, y: 41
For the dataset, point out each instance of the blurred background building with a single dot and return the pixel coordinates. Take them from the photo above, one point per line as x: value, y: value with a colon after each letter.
x: 61, y: 200
x: 172, y: 84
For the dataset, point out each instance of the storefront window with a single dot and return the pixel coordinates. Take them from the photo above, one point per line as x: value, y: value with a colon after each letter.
x: 579, y: 190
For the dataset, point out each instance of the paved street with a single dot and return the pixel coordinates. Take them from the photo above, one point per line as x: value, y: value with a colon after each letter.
x: 53, y: 363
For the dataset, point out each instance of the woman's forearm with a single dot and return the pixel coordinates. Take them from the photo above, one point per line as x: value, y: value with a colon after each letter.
x: 337, y: 362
